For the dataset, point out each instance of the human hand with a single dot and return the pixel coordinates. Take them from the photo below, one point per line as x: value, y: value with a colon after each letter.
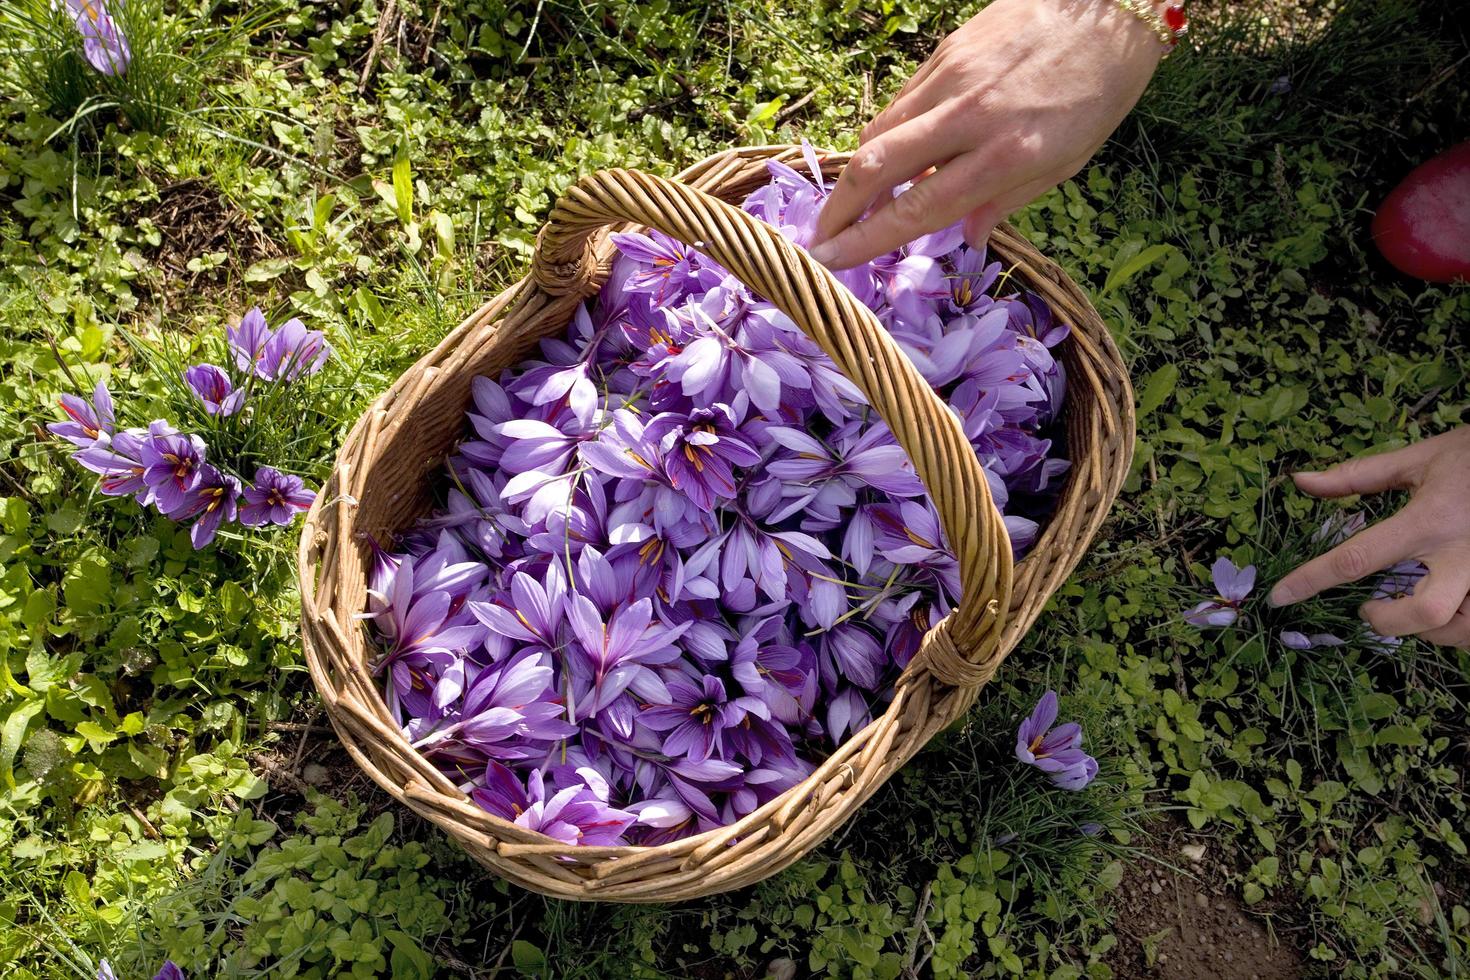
x: 1433, y: 527
x: 1008, y: 106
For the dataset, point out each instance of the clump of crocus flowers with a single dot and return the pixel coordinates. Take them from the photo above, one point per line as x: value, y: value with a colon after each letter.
x: 170, y: 471
x: 681, y: 559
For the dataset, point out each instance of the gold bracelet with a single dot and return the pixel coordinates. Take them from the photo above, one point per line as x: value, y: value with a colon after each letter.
x: 1145, y: 11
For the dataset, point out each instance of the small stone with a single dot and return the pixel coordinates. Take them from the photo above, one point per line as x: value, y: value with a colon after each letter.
x: 1229, y: 956
x: 1156, y: 888
x: 1201, y: 901
x: 783, y: 968
x: 314, y: 774
x: 1163, y: 958
x: 1194, y: 852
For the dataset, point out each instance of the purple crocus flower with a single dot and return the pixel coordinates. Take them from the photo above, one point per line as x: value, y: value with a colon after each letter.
x: 430, y: 632
x: 698, y: 716
x: 274, y: 498
x: 532, y: 612
x: 172, y: 463
x: 209, y: 503
x: 214, y: 389
x: 1232, y: 586
x: 1055, y: 751
x: 169, y: 971
x: 104, y: 971
x: 118, y: 460
x: 615, y: 653
x: 104, y: 45
x: 247, y: 342
x: 283, y: 354
x: 670, y: 268
x: 505, y: 709
x: 971, y: 281
x: 88, y: 420
x: 1399, y: 580
x: 579, y: 813
x: 1293, y: 640
x: 699, y: 451
x: 867, y: 456
x: 293, y: 351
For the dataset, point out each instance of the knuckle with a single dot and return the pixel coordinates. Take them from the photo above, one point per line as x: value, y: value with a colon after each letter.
x: 1030, y: 150
x: 1351, y: 561
x: 866, y: 165
x: 912, y: 205
x: 1435, y: 610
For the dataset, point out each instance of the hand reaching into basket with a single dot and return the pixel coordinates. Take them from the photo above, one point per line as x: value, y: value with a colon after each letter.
x: 1433, y: 528
x: 1008, y: 106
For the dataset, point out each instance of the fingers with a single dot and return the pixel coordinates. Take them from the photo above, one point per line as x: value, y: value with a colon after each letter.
x: 929, y: 205
x: 1436, y: 601
x: 1376, y: 548
x: 876, y: 169
x: 981, y: 222
x: 1367, y: 474
x: 914, y: 99
x: 1455, y: 633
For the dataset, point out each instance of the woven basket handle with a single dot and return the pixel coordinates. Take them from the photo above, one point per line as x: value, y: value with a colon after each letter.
x: 961, y: 650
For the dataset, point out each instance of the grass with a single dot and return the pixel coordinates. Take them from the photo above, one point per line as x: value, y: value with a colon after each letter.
x: 164, y: 789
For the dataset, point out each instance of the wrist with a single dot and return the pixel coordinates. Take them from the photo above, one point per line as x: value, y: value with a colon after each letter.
x: 1164, y: 19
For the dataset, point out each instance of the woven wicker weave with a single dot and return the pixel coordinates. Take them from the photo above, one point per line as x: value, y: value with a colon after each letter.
x: 382, y: 479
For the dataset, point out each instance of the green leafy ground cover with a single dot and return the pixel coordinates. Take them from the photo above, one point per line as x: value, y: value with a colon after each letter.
x: 380, y: 170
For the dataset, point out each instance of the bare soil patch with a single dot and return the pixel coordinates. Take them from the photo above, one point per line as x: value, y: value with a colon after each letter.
x: 1177, y: 915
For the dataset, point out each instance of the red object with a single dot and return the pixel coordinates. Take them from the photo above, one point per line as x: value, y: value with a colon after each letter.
x: 1176, y: 21
x: 1423, y: 226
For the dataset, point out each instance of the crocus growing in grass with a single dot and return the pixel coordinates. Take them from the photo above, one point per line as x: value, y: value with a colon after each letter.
x: 210, y: 503
x: 274, y: 498
x: 1232, y: 586
x: 87, y: 419
x: 1055, y: 751
x: 169, y: 971
x: 103, y: 43
x: 285, y: 353
x: 214, y: 389
x: 172, y: 462
x: 293, y: 351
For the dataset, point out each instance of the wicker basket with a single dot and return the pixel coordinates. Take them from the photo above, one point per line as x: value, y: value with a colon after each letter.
x: 394, y: 454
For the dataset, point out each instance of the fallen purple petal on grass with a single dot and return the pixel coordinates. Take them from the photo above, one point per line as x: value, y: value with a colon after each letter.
x: 1301, y: 641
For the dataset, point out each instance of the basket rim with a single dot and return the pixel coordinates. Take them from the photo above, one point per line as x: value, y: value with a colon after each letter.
x: 857, y: 742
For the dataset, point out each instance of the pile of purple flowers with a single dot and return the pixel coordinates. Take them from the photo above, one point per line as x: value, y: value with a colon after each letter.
x: 681, y: 558
x: 167, y: 470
